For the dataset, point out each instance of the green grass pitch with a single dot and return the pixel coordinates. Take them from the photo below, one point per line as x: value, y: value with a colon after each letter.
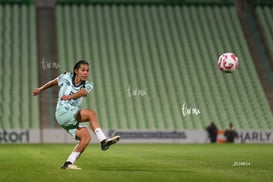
x: 139, y: 162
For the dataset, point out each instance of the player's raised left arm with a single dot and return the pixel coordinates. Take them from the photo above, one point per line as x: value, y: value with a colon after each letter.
x: 83, y: 92
x: 49, y: 84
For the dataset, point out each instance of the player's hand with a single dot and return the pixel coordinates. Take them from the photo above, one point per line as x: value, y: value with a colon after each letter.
x: 65, y: 97
x: 36, y: 91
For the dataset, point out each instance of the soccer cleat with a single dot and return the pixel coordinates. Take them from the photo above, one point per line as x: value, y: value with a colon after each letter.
x: 74, y: 167
x: 105, y: 144
x: 65, y: 166
x: 69, y: 165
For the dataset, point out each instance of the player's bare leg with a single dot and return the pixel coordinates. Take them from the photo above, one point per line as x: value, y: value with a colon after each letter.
x: 84, y: 136
x: 87, y: 115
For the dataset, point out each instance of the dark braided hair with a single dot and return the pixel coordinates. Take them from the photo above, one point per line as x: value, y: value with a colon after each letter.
x: 76, y: 67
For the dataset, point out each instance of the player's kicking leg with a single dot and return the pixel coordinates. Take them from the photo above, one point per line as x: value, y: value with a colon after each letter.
x: 87, y: 115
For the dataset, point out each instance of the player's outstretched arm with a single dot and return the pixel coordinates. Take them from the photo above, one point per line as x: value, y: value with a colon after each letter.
x: 49, y: 84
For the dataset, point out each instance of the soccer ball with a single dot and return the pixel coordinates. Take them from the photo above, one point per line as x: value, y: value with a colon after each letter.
x: 228, y: 62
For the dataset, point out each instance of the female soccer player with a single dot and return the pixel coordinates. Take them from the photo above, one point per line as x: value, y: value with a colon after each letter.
x: 70, y: 114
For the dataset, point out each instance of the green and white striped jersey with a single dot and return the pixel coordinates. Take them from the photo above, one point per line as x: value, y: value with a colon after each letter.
x: 67, y: 87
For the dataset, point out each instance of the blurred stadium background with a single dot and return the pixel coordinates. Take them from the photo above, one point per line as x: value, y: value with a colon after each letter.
x: 153, y: 64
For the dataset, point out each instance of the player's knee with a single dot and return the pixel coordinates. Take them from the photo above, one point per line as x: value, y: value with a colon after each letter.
x: 92, y: 113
